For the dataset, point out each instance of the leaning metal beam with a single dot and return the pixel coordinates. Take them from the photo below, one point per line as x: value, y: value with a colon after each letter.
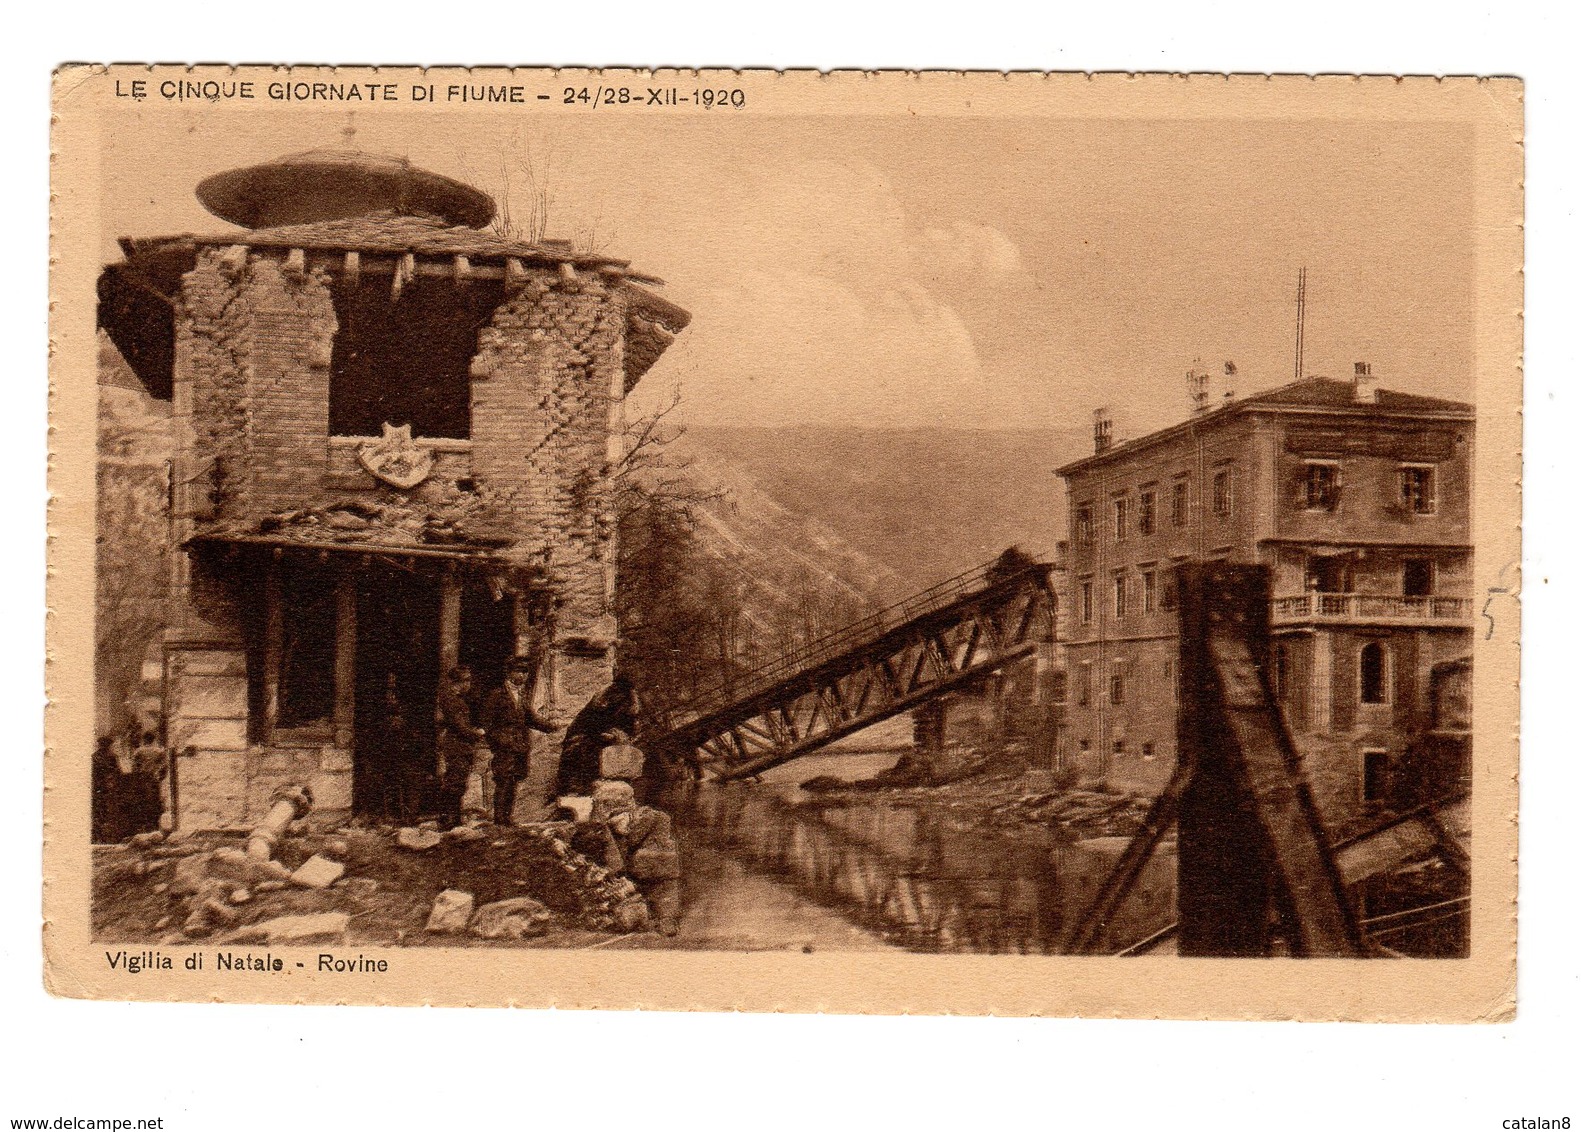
x: 1251, y: 842
x: 972, y: 633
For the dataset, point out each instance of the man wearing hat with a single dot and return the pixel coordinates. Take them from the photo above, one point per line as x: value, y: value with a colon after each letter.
x: 509, y: 719
x: 637, y: 842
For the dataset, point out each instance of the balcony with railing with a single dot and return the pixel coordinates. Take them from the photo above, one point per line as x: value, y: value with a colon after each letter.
x: 1369, y: 609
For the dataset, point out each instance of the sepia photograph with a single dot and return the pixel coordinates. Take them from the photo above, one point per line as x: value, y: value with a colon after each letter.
x: 527, y: 518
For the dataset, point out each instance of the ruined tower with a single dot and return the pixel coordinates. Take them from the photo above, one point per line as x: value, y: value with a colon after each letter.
x: 395, y: 437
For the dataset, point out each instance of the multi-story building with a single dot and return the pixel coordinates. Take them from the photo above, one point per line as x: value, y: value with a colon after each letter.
x: 1356, y: 499
x: 395, y: 436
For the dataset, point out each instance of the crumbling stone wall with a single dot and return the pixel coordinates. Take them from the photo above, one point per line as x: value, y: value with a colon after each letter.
x: 255, y: 338
x: 545, y: 396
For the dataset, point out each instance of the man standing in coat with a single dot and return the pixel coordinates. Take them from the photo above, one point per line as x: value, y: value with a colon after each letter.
x: 509, y: 719
x: 457, y: 738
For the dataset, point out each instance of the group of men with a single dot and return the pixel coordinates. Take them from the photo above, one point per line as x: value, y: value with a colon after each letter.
x: 596, y: 765
x: 503, y: 728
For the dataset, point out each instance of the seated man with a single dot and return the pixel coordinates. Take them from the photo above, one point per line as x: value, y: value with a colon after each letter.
x: 635, y: 841
x: 608, y: 717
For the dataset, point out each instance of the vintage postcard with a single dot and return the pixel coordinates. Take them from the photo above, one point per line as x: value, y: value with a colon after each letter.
x: 871, y: 542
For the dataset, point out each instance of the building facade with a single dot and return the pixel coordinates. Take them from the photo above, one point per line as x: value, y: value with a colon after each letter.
x: 1358, y: 502
x: 395, y: 433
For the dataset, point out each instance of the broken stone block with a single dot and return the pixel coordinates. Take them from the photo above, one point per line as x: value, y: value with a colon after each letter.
x: 295, y: 929
x: 631, y: 914
x: 339, y: 848
x: 269, y: 886
x: 465, y: 834
x: 358, y: 888
x: 418, y: 840
x: 517, y: 918
x: 318, y: 872
x: 240, y: 896
x: 153, y: 837
x: 235, y: 865
x: 451, y: 911
x: 189, y: 874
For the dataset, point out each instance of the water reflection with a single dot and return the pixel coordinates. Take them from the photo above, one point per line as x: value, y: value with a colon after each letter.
x: 913, y: 873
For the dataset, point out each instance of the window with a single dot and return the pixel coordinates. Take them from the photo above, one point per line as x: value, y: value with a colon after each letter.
x: 1084, y: 524
x: 1281, y: 670
x: 1117, y: 687
x: 1122, y: 514
x: 1085, y: 745
x: 1223, y: 493
x: 1170, y: 598
x: 1180, y: 502
x: 1084, y: 684
x: 1416, y: 489
x: 1374, y: 673
x: 1329, y: 574
x: 1147, y: 512
x: 1374, y: 775
x: 1170, y: 682
x: 1058, y: 687
x: 1149, y: 591
x: 1147, y: 750
x: 306, y: 672
x: 1119, y: 594
x: 1322, y: 486
x: 1119, y: 746
x: 1086, y: 603
x: 1418, y: 579
x: 405, y: 360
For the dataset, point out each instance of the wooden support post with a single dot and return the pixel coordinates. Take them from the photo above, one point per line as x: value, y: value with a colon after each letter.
x: 345, y: 659
x: 449, y: 622
x: 274, y: 633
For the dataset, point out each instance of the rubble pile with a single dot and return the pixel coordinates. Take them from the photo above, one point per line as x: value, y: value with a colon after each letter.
x: 471, y: 886
x: 1000, y: 800
x: 442, y: 516
x: 1080, y: 813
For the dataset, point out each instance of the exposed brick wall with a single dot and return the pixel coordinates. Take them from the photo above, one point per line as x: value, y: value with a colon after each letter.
x: 541, y: 412
x: 293, y: 333
x: 255, y: 340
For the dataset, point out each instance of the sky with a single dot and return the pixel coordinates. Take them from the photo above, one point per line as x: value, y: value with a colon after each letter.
x: 908, y: 271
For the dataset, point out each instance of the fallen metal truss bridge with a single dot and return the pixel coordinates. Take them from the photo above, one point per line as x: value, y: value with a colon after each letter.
x: 941, y: 640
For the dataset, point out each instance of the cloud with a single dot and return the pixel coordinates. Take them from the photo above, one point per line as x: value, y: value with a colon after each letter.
x: 815, y: 297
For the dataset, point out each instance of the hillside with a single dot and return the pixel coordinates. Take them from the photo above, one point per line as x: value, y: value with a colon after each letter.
x: 926, y: 503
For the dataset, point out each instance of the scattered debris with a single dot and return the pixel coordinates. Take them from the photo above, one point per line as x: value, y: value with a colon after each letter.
x: 451, y: 911
x: 326, y: 926
x: 318, y: 871
x: 516, y: 918
x: 244, y: 869
x: 358, y: 888
x: 418, y: 840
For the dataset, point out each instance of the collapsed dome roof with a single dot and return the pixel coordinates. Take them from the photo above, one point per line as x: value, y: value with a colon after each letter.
x: 322, y: 184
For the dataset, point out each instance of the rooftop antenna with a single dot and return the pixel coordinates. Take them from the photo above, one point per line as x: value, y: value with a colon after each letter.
x: 1301, y: 320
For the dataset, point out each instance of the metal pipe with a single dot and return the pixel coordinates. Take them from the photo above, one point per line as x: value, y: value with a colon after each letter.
x: 289, y: 803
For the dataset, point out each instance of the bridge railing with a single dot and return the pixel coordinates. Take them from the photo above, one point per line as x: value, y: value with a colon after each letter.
x: 844, y: 640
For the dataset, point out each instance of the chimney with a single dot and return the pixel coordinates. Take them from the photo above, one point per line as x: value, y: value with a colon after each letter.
x: 1197, y: 389
x: 1361, y: 384
x: 1102, y: 431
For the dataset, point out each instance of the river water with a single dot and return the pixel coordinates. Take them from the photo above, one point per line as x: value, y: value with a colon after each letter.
x: 772, y: 865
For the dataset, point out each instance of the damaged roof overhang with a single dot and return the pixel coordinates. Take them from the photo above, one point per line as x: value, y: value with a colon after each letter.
x: 137, y: 299
x: 512, y: 573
